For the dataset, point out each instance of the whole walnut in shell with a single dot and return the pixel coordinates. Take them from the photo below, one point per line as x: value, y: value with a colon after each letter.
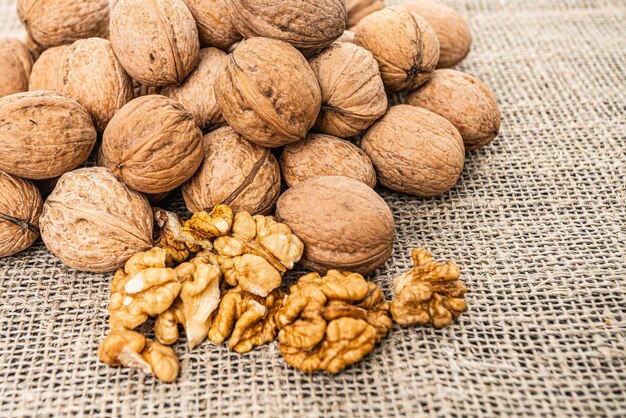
x: 215, y: 26
x: 403, y: 43
x: 16, y: 64
x: 324, y: 155
x: 358, y: 9
x: 415, y: 151
x: 43, y: 134
x: 91, y: 74
x: 463, y: 100
x: 46, y: 70
x: 156, y: 41
x: 20, y: 207
x: 450, y: 26
x: 308, y: 25
x: 234, y: 171
x: 93, y: 222
x: 57, y: 22
x: 268, y: 93
x: 152, y: 144
x: 196, y: 94
x: 353, y: 94
x: 343, y: 223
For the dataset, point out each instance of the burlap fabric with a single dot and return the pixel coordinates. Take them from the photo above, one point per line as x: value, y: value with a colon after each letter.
x: 536, y: 222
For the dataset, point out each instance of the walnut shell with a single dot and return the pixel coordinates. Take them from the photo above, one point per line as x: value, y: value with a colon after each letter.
x: 308, y: 25
x: 415, y: 151
x: 463, y: 100
x: 324, y: 155
x: 405, y: 46
x: 244, y: 175
x: 450, y: 27
x: 156, y: 41
x: 46, y: 70
x: 93, y: 222
x: 20, y: 207
x: 343, y: 223
x: 57, y: 22
x: 358, y: 9
x: 152, y: 144
x: 215, y: 27
x: 353, y: 94
x: 43, y: 134
x: 196, y: 94
x: 33, y: 47
x: 91, y: 74
x: 268, y: 93
x: 16, y: 64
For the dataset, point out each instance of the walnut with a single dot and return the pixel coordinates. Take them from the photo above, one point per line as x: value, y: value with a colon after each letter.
x: 245, y: 318
x: 91, y: 74
x: 156, y: 42
x: 463, y: 100
x: 57, y: 22
x: 353, y: 95
x: 415, y: 151
x: 196, y: 92
x: 20, y: 207
x: 93, y: 222
x: 215, y: 27
x: 152, y: 144
x: 324, y: 155
x: 330, y: 322
x: 236, y: 172
x: 358, y: 9
x: 15, y: 66
x: 268, y: 93
x: 450, y: 27
x: 343, y: 223
x: 309, y: 26
x: 131, y: 349
x: 429, y: 293
x: 405, y: 46
x: 33, y: 47
x: 43, y: 134
x: 46, y: 70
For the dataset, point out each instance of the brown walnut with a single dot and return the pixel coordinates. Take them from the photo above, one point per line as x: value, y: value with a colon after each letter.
x: 463, y: 100
x: 358, y: 9
x: 152, y: 144
x: 215, y: 26
x: 43, y: 134
x: 46, y: 70
x: 343, y: 223
x: 268, y: 93
x: 93, y: 222
x: 16, y: 64
x: 415, y: 151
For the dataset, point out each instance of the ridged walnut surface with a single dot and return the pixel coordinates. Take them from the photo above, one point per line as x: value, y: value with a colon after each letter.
x: 343, y: 223
x: 46, y: 70
x: 15, y: 66
x: 215, y: 27
x: 93, y: 222
x: 358, y: 9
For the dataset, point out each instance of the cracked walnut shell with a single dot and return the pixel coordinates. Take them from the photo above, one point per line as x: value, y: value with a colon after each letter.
x: 215, y: 26
x: 429, y: 293
x: 330, y: 322
x: 16, y: 64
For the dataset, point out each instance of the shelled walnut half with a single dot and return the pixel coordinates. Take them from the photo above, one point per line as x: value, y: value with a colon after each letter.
x: 429, y: 293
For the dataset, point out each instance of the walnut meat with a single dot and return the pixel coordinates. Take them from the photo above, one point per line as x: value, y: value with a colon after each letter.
x: 307, y: 25
x: 57, y: 22
x: 463, y: 100
x: 330, y: 322
x: 196, y: 92
x: 234, y: 171
x: 93, y: 222
x: 215, y: 27
x: 20, y: 207
x: 415, y: 151
x: 268, y: 93
x: 16, y: 64
x: 156, y: 42
x: 324, y: 155
x: 43, y: 134
x: 152, y: 144
x: 91, y: 74
x: 353, y: 95
x: 450, y: 27
x: 429, y: 293
x: 343, y: 223
x: 358, y: 9
x: 403, y: 43
x: 46, y: 70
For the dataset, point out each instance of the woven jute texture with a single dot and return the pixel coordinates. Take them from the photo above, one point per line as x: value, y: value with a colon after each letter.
x: 537, y: 223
